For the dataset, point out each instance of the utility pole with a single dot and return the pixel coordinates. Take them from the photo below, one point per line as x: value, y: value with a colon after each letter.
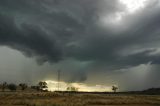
x: 59, y: 73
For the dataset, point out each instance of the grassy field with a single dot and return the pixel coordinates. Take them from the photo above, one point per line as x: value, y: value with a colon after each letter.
x: 59, y: 99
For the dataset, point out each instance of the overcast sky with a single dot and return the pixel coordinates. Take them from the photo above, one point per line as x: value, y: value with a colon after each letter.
x: 108, y: 42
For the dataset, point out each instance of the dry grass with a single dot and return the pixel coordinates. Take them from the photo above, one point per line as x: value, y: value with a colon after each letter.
x: 55, y: 99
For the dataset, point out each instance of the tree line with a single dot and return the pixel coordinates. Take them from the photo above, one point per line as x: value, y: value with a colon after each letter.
x: 41, y: 86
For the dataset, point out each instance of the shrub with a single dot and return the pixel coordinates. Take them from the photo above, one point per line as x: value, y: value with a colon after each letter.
x: 12, y: 87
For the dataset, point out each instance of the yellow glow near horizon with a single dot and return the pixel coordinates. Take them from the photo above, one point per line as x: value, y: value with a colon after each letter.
x: 52, y: 86
x: 133, y: 5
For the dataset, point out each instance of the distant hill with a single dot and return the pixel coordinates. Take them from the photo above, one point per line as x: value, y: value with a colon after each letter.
x: 153, y: 91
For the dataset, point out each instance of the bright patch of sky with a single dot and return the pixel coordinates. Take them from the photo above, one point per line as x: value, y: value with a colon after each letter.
x: 133, y: 5
x: 53, y: 86
x: 130, y: 7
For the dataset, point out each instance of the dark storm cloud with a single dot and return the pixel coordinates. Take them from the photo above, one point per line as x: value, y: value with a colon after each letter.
x: 31, y: 40
x: 38, y: 29
x: 106, y: 47
x: 66, y: 22
x: 78, y: 77
x: 56, y: 30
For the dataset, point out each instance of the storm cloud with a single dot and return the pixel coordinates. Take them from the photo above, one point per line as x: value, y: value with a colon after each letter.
x: 88, y: 35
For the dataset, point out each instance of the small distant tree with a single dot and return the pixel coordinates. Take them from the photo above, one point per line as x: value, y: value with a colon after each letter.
x: 114, y: 88
x: 23, y: 86
x: 35, y: 88
x: 12, y: 87
x: 42, y: 85
x: 4, y: 86
x: 73, y: 89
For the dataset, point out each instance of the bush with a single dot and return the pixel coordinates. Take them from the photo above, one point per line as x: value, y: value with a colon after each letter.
x: 12, y: 87
x: 23, y: 86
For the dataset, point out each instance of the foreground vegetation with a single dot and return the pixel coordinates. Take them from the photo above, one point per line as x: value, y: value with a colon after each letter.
x: 38, y: 95
x: 75, y: 99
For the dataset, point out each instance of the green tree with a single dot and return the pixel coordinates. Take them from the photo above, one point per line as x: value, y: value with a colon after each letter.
x: 23, y: 86
x: 35, y: 88
x: 12, y: 87
x: 73, y: 89
x: 4, y: 86
x: 114, y: 88
x: 42, y: 85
